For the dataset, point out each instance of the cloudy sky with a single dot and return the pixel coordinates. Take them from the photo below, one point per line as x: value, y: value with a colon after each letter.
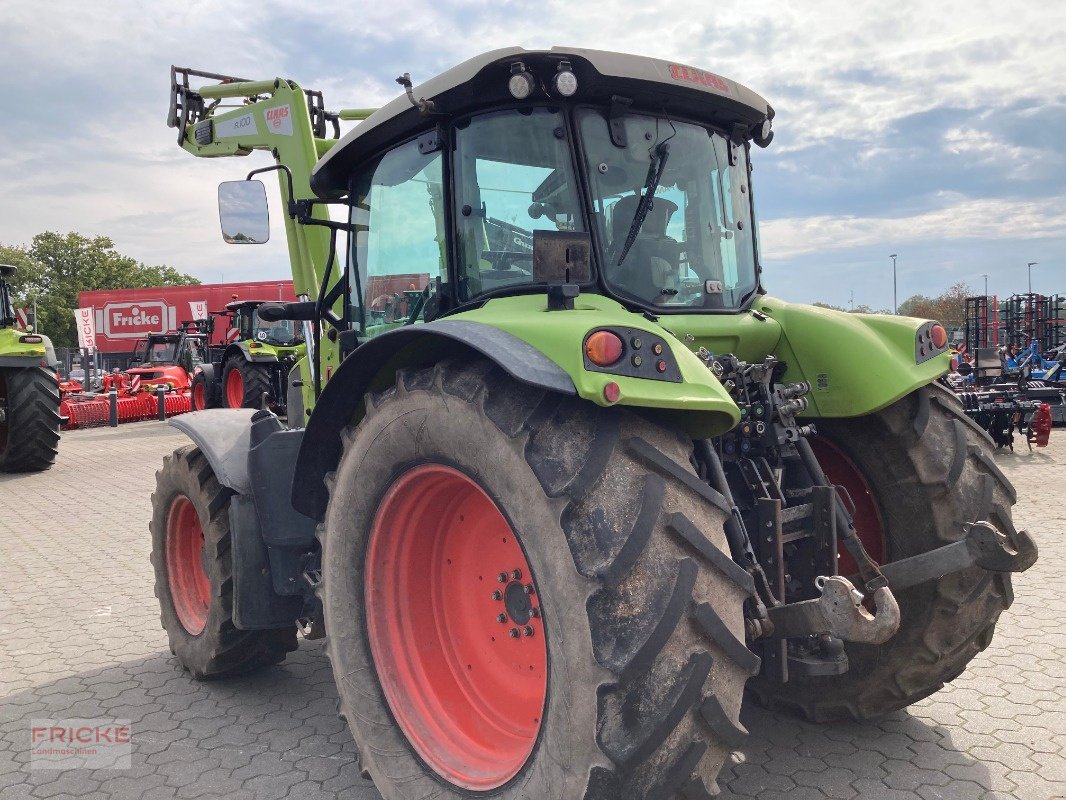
x: 927, y: 130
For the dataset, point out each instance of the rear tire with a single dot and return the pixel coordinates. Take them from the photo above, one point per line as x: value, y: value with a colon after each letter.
x: 930, y: 470
x: 29, y: 438
x: 245, y: 383
x: 641, y: 608
x: 194, y: 583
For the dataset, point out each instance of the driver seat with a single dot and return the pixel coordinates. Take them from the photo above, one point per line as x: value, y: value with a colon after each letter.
x: 651, y: 268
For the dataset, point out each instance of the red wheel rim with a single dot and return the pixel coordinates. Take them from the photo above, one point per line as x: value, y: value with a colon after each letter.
x: 235, y: 389
x: 198, y: 396
x: 443, y: 568
x: 841, y: 470
x: 190, y: 588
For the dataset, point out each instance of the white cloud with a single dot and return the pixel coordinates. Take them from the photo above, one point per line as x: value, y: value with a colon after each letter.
x: 957, y: 220
x: 105, y: 163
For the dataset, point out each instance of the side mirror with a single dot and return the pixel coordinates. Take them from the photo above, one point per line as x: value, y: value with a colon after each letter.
x: 243, y: 212
x: 7, y: 270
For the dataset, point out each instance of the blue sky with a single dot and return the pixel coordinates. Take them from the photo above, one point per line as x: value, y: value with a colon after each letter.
x: 934, y: 131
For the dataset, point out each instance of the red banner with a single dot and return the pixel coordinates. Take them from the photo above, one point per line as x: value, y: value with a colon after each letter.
x: 125, y: 315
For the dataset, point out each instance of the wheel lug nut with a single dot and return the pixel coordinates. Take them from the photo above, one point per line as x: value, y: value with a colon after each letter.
x: 502, y: 577
x: 528, y: 630
x: 497, y: 595
x: 517, y: 574
x: 513, y: 633
x: 501, y: 618
x: 528, y: 589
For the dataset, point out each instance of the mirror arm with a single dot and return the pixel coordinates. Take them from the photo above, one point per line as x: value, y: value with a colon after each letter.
x: 288, y: 177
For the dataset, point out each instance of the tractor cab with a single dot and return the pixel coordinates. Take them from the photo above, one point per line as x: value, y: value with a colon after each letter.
x: 644, y: 163
x: 169, y: 358
x: 251, y: 328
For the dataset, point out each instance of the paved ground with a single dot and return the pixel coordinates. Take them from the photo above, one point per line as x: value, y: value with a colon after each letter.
x: 80, y: 637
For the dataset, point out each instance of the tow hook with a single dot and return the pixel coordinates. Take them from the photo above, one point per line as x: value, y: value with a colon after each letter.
x: 839, y: 613
x: 983, y: 546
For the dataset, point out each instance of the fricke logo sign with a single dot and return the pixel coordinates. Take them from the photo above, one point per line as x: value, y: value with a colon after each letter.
x: 135, y: 320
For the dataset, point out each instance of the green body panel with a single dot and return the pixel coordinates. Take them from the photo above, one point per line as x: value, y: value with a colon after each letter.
x: 856, y: 363
x: 12, y: 348
x: 268, y: 352
x: 699, y: 402
x: 867, y: 360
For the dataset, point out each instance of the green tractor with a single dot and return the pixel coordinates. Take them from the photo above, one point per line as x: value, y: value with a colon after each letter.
x: 564, y: 478
x: 254, y: 365
x: 29, y: 392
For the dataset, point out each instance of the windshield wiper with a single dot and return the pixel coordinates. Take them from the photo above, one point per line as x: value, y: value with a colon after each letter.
x: 651, y: 183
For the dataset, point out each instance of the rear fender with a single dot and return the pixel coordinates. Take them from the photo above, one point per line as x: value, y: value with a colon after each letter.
x: 253, y: 455
x: 373, y: 366
x: 856, y: 364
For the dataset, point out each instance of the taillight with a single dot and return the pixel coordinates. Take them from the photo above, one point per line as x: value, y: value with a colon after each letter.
x: 938, y: 336
x: 604, y: 348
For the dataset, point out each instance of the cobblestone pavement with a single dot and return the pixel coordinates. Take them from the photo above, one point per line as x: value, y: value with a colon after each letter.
x: 80, y: 637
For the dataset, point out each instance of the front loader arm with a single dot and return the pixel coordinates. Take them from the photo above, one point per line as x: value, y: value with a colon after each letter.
x: 291, y: 123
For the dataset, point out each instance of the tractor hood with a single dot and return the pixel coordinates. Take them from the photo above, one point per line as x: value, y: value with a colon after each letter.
x: 482, y: 82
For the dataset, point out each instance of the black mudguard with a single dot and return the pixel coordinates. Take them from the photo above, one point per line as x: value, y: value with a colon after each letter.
x: 254, y: 456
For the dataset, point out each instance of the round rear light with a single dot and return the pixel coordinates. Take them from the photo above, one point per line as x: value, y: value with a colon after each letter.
x: 611, y: 392
x: 938, y: 335
x: 604, y: 348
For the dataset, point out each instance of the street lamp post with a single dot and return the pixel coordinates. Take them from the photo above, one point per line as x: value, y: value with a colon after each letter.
x: 1030, y: 266
x: 895, y: 304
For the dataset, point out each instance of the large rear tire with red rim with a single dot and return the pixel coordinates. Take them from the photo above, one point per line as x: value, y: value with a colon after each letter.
x: 192, y: 559
x: 527, y: 596
x: 916, y: 472
x: 245, y: 383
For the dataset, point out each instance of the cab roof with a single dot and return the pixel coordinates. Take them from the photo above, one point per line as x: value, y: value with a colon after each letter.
x: 481, y: 82
x: 235, y: 304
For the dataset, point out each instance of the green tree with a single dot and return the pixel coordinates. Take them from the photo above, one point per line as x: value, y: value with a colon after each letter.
x: 949, y: 307
x: 56, y: 267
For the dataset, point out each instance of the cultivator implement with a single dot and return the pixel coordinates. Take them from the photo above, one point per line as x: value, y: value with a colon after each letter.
x: 89, y: 410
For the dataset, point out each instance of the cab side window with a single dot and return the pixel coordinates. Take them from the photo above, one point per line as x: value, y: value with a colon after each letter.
x: 399, y: 247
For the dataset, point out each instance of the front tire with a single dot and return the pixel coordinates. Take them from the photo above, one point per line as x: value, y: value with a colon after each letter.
x: 193, y: 563
x: 637, y: 659
x: 203, y: 393
x: 29, y: 433
x: 928, y: 470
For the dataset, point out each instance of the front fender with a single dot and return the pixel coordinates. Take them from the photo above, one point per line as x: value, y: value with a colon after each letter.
x: 856, y: 363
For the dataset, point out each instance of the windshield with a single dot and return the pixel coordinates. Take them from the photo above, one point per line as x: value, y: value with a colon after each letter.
x: 281, y: 332
x: 162, y: 351
x: 513, y: 177
x: 694, y: 247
